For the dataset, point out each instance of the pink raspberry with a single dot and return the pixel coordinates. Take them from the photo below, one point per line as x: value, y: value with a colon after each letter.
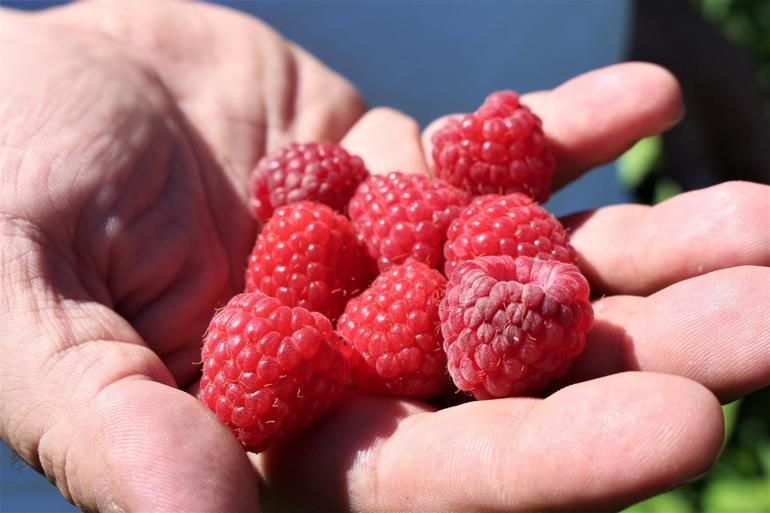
x: 393, y: 328
x: 511, y: 325
x: 324, y: 173
x: 497, y: 150
x: 512, y: 225
x: 400, y: 216
x: 270, y: 370
x: 308, y: 255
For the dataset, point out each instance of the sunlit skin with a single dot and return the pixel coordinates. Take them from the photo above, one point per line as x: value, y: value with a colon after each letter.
x: 127, y: 133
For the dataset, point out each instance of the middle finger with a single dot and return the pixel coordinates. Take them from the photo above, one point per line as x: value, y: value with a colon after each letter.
x: 713, y: 329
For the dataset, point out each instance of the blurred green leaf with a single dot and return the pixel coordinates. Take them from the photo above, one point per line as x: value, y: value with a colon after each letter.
x: 665, y: 188
x: 741, y: 29
x: 737, y: 496
x: 674, y: 501
x: 716, y: 9
x: 639, y: 161
x: 763, y: 453
x: 731, y: 411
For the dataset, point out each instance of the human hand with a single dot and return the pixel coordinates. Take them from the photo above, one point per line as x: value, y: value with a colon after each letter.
x: 174, y: 175
x: 128, y: 132
x: 680, y: 323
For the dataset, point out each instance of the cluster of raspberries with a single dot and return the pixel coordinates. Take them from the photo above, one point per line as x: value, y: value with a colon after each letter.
x: 400, y: 284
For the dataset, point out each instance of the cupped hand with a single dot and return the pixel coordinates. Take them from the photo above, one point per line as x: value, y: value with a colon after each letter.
x: 128, y: 131
x: 680, y: 324
x: 128, y: 134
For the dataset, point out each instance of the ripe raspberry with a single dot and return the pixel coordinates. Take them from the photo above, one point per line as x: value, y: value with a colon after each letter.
x: 308, y: 255
x: 400, y: 216
x: 511, y: 325
x: 270, y: 370
x: 499, y: 149
x: 505, y: 225
x: 325, y: 173
x: 393, y: 328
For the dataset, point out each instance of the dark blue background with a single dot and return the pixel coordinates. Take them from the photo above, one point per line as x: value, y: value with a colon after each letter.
x: 426, y: 58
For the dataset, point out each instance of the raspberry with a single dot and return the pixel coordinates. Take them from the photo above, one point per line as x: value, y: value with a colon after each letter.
x: 510, y: 325
x: 400, y: 216
x: 270, y: 370
x: 499, y: 149
x: 393, y: 328
x: 308, y: 255
x: 505, y: 225
x: 325, y: 173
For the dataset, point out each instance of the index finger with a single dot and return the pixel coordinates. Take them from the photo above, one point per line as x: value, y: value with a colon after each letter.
x: 595, y: 117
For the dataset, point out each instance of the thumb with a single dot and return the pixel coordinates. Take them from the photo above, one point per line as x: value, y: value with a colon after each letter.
x: 85, y: 401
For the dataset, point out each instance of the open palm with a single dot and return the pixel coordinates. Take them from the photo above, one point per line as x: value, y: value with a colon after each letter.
x: 129, y: 132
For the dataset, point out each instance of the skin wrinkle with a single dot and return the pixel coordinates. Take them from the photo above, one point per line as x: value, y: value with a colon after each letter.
x: 226, y: 233
x: 366, y: 464
x: 498, y: 474
x: 724, y: 300
x: 21, y: 133
x: 635, y: 260
x: 32, y: 269
x: 32, y: 309
x: 59, y: 468
x: 132, y: 297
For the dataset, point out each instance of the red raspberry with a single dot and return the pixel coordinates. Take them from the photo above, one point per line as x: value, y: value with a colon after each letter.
x: 270, y: 370
x: 325, y: 173
x: 505, y: 225
x: 308, y: 255
x: 499, y: 149
x: 511, y: 325
x: 400, y: 216
x: 393, y: 328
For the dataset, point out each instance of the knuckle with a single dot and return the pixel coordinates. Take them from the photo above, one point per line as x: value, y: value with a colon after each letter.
x: 740, y: 196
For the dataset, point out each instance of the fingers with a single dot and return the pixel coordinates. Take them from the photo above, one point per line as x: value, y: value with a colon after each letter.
x: 343, y: 444
x: 426, y: 137
x: 634, y: 249
x: 713, y: 329
x: 244, y: 88
x: 88, y: 403
x: 593, y: 118
x: 144, y: 446
x: 387, y: 140
x: 594, y: 446
x: 327, y: 104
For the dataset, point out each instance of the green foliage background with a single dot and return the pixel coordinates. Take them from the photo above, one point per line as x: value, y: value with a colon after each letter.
x: 747, y: 23
x: 739, y: 482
